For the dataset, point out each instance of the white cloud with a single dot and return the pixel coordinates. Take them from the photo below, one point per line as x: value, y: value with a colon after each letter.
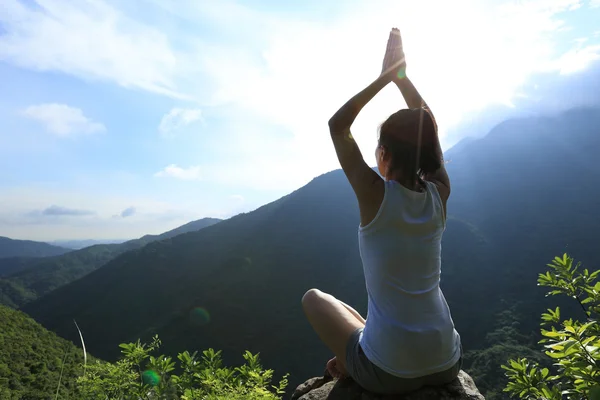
x: 178, y: 118
x: 62, y: 119
x: 594, y: 3
x: 579, y: 59
x: 186, y: 174
x: 88, y: 39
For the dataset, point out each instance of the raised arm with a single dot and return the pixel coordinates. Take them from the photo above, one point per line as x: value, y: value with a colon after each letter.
x: 345, y: 116
x: 414, y: 100
x: 367, y: 184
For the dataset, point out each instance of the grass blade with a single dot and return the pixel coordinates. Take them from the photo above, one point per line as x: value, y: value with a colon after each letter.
x: 61, y: 373
x: 82, y: 345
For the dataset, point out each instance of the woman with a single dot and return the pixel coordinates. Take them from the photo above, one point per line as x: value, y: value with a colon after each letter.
x: 408, y: 339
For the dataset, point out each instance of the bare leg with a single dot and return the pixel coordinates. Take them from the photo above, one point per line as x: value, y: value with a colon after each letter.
x: 336, y: 369
x: 333, y: 321
x: 354, y: 312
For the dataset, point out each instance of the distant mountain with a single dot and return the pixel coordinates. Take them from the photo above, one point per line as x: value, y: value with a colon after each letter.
x: 28, y: 248
x: 11, y: 265
x: 80, y: 244
x: 31, y: 278
x: 521, y: 195
x: 31, y: 359
x: 189, y: 227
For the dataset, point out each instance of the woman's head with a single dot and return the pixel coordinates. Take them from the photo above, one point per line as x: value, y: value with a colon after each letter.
x: 407, y: 145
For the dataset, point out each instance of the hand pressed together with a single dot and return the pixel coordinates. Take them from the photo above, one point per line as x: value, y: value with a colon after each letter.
x: 394, y: 62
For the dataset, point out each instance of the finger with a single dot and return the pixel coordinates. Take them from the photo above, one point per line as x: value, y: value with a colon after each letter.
x: 398, y: 40
x: 395, y: 37
x: 395, y: 33
x: 399, y: 37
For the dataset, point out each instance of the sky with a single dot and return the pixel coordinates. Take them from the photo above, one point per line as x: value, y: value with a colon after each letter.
x: 119, y: 119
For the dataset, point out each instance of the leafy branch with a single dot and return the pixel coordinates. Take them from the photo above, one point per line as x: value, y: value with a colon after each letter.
x: 140, y: 375
x: 573, y: 345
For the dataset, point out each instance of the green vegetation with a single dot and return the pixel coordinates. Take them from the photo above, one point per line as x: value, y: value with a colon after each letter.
x: 36, y: 364
x: 40, y: 276
x: 32, y: 278
x: 31, y: 359
x: 504, y: 342
x: 139, y: 375
x: 572, y: 345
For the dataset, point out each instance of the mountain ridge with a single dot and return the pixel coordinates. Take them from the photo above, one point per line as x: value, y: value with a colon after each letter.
x: 33, y: 278
x: 28, y: 248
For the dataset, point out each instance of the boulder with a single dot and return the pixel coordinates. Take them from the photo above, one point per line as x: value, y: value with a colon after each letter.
x: 327, y: 388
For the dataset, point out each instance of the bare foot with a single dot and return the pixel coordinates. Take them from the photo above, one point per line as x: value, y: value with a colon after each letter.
x: 336, y: 370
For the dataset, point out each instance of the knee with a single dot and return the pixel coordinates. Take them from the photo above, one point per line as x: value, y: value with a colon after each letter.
x: 311, y: 298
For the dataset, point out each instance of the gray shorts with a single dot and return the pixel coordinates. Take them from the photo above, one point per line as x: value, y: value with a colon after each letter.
x: 374, y: 379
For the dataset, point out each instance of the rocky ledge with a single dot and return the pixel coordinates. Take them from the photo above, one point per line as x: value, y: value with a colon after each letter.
x: 326, y: 388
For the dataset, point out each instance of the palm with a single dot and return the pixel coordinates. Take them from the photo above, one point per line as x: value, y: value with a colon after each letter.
x: 394, y: 59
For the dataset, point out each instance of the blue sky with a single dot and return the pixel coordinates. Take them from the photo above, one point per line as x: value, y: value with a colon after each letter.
x: 119, y: 119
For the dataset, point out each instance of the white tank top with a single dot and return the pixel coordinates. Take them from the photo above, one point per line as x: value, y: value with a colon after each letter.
x: 409, y: 331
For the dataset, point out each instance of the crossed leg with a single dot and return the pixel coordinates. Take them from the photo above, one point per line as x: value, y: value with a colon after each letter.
x: 334, y: 322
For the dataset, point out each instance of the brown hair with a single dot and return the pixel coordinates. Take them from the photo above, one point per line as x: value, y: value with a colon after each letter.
x: 409, y: 136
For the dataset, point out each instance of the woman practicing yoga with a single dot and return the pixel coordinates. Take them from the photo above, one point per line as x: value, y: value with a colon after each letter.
x: 408, y: 339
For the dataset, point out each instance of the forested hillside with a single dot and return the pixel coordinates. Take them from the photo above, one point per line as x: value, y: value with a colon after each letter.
x: 31, y: 359
x: 31, y: 278
x: 28, y: 248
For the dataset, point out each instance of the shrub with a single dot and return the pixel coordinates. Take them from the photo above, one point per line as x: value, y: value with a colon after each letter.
x: 139, y: 375
x: 574, y: 346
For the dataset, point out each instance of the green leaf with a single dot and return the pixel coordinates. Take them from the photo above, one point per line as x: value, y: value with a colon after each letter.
x: 588, y: 340
x: 570, y: 329
x: 555, y: 354
x: 552, y: 334
x: 595, y: 393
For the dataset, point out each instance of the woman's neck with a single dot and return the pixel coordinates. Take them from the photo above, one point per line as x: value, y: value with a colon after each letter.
x: 414, y: 183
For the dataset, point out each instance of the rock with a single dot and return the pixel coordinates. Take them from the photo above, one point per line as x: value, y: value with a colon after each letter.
x: 326, y: 388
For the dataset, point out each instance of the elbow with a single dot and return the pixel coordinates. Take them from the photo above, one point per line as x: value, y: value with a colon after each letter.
x: 332, y: 123
x: 336, y: 126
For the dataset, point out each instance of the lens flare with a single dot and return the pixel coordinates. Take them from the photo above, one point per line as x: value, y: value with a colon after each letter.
x: 402, y: 73
x: 150, y: 377
x: 199, y: 316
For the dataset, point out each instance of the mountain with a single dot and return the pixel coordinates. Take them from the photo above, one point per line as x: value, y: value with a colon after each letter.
x: 80, y: 244
x: 10, y: 265
x: 31, y: 278
x: 521, y: 195
x: 31, y: 359
x: 189, y: 227
x: 28, y: 248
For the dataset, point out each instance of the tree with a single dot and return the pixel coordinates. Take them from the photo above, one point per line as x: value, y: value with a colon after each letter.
x: 573, y: 345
